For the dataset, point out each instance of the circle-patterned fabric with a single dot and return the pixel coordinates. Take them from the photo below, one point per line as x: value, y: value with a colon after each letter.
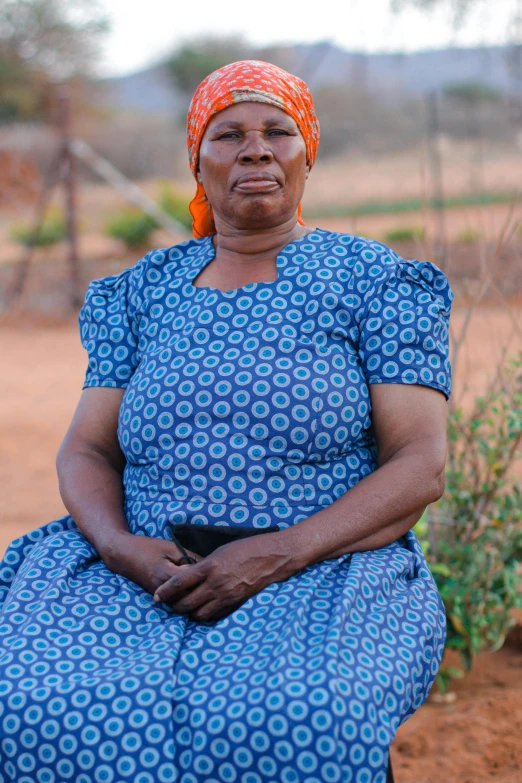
x: 246, y: 408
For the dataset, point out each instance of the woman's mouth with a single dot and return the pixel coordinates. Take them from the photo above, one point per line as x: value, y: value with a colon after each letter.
x: 257, y: 183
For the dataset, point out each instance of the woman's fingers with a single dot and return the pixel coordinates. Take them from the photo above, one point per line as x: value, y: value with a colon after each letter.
x: 213, y: 610
x: 185, y: 578
x: 195, y: 556
x: 192, y: 601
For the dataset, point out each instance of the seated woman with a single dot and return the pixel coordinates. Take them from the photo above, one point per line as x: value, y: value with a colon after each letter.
x: 262, y: 374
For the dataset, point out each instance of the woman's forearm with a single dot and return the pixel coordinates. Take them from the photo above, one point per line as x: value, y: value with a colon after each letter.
x: 382, y: 537
x: 92, y: 492
x: 375, y: 512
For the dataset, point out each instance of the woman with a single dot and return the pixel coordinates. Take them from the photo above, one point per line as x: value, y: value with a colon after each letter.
x: 263, y: 374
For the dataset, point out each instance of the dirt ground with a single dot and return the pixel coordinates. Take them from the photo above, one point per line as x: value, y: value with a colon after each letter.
x: 474, y: 740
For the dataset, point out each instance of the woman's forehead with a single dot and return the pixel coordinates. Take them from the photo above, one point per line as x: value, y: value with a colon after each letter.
x: 250, y: 112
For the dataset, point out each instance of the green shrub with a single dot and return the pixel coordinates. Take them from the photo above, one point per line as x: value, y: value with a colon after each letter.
x: 175, y: 204
x: 469, y: 236
x: 404, y: 234
x: 133, y: 227
x: 53, y: 230
x: 473, y: 536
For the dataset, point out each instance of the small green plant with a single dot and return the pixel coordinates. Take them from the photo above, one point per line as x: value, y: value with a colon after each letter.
x: 415, y: 204
x: 175, y: 203
x: 469, y: 236
x: 473, y: 536
x: 133, y: 227
x: 53, y: 230
x: 404, y: 234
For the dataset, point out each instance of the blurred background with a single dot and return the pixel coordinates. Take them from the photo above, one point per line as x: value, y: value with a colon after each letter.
x: 420, y: 105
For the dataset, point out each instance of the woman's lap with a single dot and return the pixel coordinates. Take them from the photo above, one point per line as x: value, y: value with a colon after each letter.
x: 307, y: 681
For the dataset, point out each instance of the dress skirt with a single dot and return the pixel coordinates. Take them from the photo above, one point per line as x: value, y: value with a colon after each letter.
x: 307, y: 682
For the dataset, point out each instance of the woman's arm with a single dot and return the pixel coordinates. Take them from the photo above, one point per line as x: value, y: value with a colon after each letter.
x: 410, y: 424
x: 410, y: 430
x: 90, y: 466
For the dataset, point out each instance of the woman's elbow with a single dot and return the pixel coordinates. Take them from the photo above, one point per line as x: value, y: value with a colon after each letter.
x: 437, y: 486
x: 61, y: 457
x: 78, y: 450
x: 71, y: 448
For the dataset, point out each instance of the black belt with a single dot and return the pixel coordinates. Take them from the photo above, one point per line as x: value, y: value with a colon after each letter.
x: 204, y: 539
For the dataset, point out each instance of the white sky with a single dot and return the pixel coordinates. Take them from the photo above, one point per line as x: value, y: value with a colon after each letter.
x: 143, y: 30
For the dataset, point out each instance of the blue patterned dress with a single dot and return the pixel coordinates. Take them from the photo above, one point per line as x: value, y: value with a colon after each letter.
x: 244, y: 408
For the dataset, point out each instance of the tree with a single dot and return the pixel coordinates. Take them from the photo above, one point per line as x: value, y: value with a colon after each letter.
x: 43, y: 42
x: 472, y: 93
x: 195, y: 59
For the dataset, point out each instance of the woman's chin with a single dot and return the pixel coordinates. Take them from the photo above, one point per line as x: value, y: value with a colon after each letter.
x: 262, y: 211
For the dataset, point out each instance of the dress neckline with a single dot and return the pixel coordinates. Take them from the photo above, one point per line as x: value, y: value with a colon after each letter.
x: 209, y: 253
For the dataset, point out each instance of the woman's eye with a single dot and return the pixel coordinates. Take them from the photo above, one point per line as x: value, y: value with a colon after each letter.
x: 230, y: 135
x: 277, y: 132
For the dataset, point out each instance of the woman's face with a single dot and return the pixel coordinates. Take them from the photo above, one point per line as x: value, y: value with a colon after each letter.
x: 252, y: 164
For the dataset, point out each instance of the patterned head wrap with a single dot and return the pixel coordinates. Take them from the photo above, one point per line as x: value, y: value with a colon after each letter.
x: 248, y: 80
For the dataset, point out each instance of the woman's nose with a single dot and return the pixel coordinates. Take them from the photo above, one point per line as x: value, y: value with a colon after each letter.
x: 255, y: 149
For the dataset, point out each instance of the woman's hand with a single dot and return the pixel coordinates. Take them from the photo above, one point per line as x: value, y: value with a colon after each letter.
x: 224, y: 580
x: 149, y: 562
x: 90, y: 466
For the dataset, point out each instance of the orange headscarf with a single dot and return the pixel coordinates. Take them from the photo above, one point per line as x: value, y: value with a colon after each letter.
x: 248, y: 80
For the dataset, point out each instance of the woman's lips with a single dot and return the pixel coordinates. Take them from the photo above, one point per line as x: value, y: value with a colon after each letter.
x: 257, y: 186
x: 257, y: 182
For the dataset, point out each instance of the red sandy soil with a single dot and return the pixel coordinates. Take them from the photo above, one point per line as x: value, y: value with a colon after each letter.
x: 474, y: 740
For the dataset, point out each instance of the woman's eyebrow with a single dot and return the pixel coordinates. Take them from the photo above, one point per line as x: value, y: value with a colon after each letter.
x: 279, y: 121
x: 237, y: 125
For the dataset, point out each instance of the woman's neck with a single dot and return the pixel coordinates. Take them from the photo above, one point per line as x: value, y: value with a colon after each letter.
x: 236, y: 247
x: 243, y: 257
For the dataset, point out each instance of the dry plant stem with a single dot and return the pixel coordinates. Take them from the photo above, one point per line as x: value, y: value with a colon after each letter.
x: 484, y: 501
x: 52, y: 179
x: 458, y: 341
x: 508, y: 307
x: 498, y: 377
x: 491, y: 477
x: 502, y: 237
x: 506, y: 234
x: 425, y: 208
x: 475, y: 464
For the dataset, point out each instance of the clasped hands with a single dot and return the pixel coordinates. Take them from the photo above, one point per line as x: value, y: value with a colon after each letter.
x: 214, y: 586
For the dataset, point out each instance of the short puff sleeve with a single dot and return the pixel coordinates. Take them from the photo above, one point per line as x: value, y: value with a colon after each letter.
x: 109, y: 331
x: 404, y: 324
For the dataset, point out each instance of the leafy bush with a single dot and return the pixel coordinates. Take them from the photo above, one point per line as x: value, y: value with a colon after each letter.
x: 133, y: 227
x: 469, y: 236
x: 175, y: 204
x: 473, y: 536
x: 472, y: 93
x: 53, y: 230
x: 404, y: 234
